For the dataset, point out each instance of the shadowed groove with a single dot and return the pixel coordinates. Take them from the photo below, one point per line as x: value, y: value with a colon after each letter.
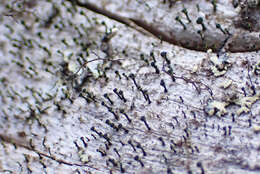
x: 240, y: 40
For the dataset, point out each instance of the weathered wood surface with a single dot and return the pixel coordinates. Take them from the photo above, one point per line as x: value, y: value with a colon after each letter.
x: 83, y: 93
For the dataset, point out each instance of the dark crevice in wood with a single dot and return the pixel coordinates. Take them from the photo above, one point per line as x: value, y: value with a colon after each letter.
x: 235, y: 44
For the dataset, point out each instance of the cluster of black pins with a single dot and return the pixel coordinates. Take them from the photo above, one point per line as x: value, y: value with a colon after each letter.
x: 110, y: 110
x: 77, y: 146
x: 94, y: 130
x: 180, y: 21
x: 120, y: 126
x: 84, y: 142
x: 102, y: 152
x: 146, y: 96
x: 120, y: 94
x: 113, y: 162
x: 161, y: 140
x: 144, y: 59
x: 105, y: 136
x: 88, y: 97
x: 144, y: 92
x: 125, y: 76
x: 112, y: 125
x: 172, y: 146
x: 157, y: 71
x: 184, y: 10
x: 199, y: 164
x: 116, y: 127
x: 107, y: 97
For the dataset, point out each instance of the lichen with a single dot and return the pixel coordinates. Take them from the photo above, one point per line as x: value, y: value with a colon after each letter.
x: 219, y: 108
x: 256, y: 129
x: 245, y: 103
x: 225, y: 84
x: 219, y: 65
x: 84, y: 157
x: 216, y: 108
x: 257, y: 69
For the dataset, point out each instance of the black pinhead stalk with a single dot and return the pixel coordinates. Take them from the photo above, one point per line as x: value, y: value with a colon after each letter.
x: 164, y: 55
x: 179, y: 20
x: 201, y: 34
x: 218, y: 26
x: 140, y: 147
x: 107, y: 97
x: 214, y: 3
x: 127, y: 117
x: 122, y: 95
x: 200, y: 21
x: 186, y: 14
x: 132, y: 76
x: 131, y: 144
x: 162, y: 83
x: 145, y: 122
x: 199, y: 164
x: 155, y: 67
x: 139, y: 160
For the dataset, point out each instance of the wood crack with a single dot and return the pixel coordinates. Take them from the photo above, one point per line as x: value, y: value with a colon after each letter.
x: 239, y: 41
